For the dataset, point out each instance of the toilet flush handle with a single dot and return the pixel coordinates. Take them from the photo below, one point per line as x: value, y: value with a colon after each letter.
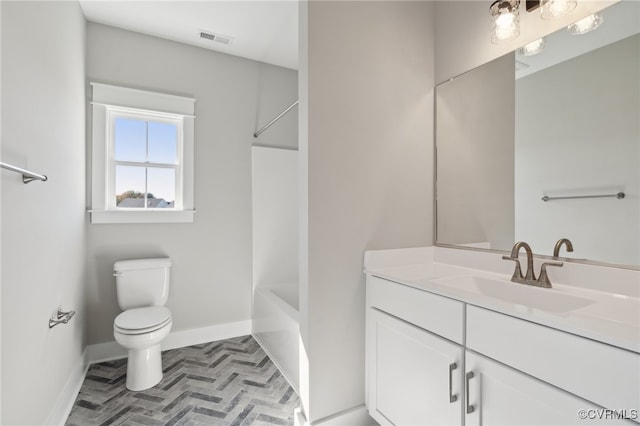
x: 60, y: 317
x: 117, y: 274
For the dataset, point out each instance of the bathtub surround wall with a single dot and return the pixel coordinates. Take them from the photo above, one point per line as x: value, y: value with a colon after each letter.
x: 43, y: 223
x: 366, y: 155
x: 211, y: 273
x: 274, y: 175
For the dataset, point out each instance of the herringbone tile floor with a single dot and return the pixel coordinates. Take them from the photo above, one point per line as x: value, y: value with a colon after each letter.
x: 229, y: 382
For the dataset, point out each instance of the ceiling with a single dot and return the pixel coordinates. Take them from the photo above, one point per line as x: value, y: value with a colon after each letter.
x: 267, y: 30
x: 262, y: 30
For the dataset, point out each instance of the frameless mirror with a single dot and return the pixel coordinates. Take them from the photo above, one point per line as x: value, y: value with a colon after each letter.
x: 549, y: 151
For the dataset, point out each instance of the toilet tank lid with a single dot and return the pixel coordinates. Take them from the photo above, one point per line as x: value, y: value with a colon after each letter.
x: 138, y: 264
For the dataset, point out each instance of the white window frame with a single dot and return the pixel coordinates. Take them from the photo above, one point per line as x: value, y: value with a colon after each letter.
x: 111, y: 102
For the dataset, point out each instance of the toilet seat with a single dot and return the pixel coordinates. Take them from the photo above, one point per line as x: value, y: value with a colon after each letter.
x: 142, y: 320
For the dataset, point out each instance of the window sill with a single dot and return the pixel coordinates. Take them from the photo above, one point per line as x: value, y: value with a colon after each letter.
x: 128, y: 216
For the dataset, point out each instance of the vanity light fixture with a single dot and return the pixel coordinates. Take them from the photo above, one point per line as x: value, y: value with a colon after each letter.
x: 532, y: 48
x: 554, y: 9
x: 585, y: 25
x: 505, y: 20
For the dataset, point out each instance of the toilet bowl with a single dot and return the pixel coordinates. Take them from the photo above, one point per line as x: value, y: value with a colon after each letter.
x: 142, y: 289
x: 140, y: 331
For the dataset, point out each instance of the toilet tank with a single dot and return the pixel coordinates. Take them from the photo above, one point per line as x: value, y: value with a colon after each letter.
x: 142, y: 282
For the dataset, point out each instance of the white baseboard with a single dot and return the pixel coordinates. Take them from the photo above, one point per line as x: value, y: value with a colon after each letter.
x: 357, y: 416
x: 180, y: 339
x: 109, y: 351
x: 68, y: 393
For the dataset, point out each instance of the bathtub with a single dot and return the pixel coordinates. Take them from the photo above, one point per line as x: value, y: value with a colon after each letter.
x: 274, y: 204
x: 276, y: 327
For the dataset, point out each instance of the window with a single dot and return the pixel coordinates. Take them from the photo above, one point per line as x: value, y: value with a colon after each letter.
x: 142, y: 159
x: 145, y: 161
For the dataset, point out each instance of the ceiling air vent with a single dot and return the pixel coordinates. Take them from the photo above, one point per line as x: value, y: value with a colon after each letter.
x: 218, y: 38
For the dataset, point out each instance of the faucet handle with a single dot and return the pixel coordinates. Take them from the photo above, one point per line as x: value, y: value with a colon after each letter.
x: 517, y: 273
x: 544, y: 277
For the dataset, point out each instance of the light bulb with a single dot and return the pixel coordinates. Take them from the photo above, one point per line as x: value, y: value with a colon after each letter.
x: 585, y: 25
x: 553, y: 9
x: 505, y: 17
x: 505, y: 20
x: 532, y: 48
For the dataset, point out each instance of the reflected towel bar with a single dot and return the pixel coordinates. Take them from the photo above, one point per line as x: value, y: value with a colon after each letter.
x: 266, y: 126
x: 619, y: 196
x: 27, y: 176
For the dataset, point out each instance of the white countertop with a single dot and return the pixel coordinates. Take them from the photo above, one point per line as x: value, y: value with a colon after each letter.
x: 607, y: 317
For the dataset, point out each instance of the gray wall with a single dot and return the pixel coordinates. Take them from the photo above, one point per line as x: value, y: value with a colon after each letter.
x: 211, y: 276
x: 43, y: 223
x: 366, y: 138
x: 474, y: 138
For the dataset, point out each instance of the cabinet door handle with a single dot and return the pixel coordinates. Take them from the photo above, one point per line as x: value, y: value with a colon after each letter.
x: 452, y: 398
x: 470, y: 408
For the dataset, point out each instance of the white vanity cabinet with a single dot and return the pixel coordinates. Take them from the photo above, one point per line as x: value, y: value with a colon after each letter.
x: 432, y: 359
x: 415, y: 377
x: 500, y: 395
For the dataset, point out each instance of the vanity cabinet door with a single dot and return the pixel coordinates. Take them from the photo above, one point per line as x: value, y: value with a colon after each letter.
x: 500, y: 395
x: 413, y: 376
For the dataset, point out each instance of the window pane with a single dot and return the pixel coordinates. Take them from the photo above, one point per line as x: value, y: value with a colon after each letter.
x: 163, y: 142
x: 161, y: 183
x: 130, y: 139
x: 130, y: 186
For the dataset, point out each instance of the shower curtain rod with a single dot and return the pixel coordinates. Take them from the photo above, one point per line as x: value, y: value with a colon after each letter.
x: 27, y: 176
x: 266, y: 126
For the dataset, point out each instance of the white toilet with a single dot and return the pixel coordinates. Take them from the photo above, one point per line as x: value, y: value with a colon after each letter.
x: 143, y: 289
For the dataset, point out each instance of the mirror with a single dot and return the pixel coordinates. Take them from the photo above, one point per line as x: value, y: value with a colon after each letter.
x: 566, y: 127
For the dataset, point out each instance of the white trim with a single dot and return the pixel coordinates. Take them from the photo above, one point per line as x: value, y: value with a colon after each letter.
x: 106, y: 94
x: 188, y: 163
x: 147, y: 216
x: 99, y: 155
x: 109, y: 351
x: 68, y: 393
x: 123, y: 108
x: 195, y: 336
x: 356, y: 416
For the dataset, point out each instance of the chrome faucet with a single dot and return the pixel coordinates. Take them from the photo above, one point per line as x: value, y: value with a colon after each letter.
x: 530, y: 277
x: 565, y: 241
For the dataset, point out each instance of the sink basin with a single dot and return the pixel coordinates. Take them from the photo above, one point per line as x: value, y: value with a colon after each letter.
x: 544, y: 299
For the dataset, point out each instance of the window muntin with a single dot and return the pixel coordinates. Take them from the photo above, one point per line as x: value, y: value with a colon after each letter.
x: 145, y: 162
